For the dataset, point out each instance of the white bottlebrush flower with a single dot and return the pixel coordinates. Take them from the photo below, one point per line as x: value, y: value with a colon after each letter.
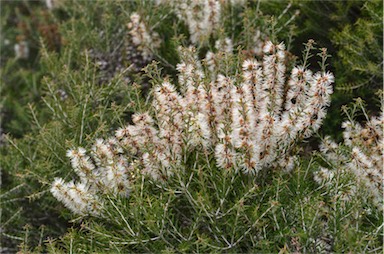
x: 224, y: 45
x: 58, y: 190
x: 81, y: 162
x: 268, y: 47
x: 258, y: 41
x: 102, y: 151
x: 205, y: 129
x: 241, y: 121
x: 324, y: 176
x: 360, y: 158
x: 362, y: 161
x: 76, y: 197
x: 201, y: 17
x: 141, y: 37
x: 250, y: 65
x: 287, y: 163
x: 225, y: 155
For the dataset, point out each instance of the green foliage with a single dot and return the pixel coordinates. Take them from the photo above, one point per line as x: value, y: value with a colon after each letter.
x: 20, y: 76
x: 361, y: 49
x: 73, y: 109
x: 90, y: 110
x: 57, y: 99
x: 204, y: 209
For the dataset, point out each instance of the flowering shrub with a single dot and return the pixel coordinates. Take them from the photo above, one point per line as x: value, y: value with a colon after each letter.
x: 141, y: 37
x: 358, y: 163
x: 130, y: 55
x: 248, y: 123
x: 217, y: 156
x: 201, y: 17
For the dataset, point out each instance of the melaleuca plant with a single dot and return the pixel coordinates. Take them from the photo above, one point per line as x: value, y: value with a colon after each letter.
x: 350, y: 175
x: 249, y: 24
x: 357, y: 162
x: 209, y: 162
x: 91, y: 46
x: 128, y: 57
x: 201, y: 17
x: 195, y: 160
x: 66, y: 97
x: 29, y: 164
x: 352, y: 32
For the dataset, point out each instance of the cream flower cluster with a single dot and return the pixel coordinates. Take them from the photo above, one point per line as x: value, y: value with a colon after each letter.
x: 253, y: 122
x: 141, y: 37
x: 107, y: 171
x: 364, y: 158
x: 201, y: 16
x: 245, y: 122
